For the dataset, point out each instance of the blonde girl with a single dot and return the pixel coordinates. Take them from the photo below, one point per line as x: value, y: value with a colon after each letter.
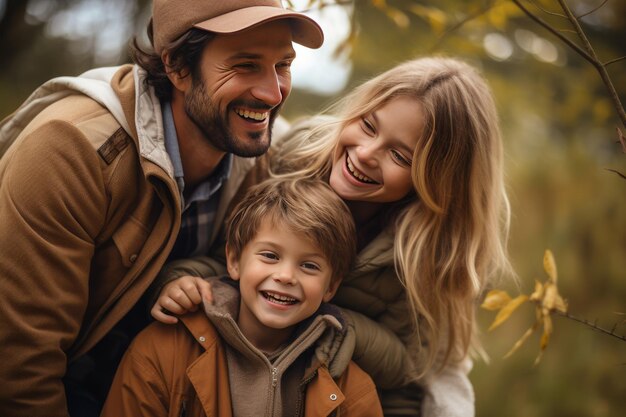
x: 416, y: 153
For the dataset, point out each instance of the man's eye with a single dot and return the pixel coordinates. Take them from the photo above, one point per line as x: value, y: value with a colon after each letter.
x: 245, y: 65
x: 284, y: 65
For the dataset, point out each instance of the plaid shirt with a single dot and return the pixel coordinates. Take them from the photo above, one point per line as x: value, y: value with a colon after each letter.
x: 199, y: 210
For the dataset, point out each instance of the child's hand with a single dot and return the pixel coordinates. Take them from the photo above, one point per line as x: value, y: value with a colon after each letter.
x: 179, y: 297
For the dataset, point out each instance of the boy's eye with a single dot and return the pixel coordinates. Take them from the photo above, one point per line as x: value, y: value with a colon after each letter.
x: 312, y: 266
x: 271, y: 256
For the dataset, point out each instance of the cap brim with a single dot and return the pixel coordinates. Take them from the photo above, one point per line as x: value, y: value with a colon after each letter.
x: 305, y: 30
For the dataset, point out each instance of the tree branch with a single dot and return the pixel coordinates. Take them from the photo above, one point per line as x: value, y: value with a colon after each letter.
x: 594, y: 326
x: 593, y: 10
x: 596, y: 62
x: 546, y: 11
x: 555, y: 32
x: 607, y: 63
x: 488, y: 6
x: 587, y: 53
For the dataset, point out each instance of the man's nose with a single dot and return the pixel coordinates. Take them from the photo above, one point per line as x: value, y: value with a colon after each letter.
x: 270, y: 88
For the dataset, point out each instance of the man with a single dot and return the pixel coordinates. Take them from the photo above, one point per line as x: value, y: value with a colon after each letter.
x: 110, y: 174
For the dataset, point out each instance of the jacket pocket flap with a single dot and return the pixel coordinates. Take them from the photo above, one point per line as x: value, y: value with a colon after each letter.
x: 130, y: 239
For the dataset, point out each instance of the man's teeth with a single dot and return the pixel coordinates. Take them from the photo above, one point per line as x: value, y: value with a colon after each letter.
x: 279, y: 299
x: 259, y: 117
x: 357, y: 174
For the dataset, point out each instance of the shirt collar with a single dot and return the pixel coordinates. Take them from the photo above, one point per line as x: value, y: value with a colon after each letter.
x: 171, y: 139
x: 207, y: 188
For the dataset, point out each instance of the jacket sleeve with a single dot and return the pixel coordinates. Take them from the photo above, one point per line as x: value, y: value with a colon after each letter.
x: 138, y: 388
x: 52, y: 205
x: 378, y: 351
x: 449, y: 393
x: 361, y: 397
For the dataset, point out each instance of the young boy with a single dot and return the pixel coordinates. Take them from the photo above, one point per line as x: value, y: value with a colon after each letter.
x: 264, y: 350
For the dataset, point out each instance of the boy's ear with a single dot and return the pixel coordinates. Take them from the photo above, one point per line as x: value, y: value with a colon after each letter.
x: 332, y: 289
x: 179, y: 79
x: 232, y: 263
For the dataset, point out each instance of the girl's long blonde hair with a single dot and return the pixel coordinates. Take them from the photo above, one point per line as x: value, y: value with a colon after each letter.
x: 451, y: 239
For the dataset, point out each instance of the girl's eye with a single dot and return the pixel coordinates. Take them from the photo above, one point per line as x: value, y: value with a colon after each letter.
x: 368, y: 127
x: 399, y: 158
x: 312, y: 266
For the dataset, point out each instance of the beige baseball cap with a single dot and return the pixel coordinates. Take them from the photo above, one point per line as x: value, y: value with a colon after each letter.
x: 172, y: 18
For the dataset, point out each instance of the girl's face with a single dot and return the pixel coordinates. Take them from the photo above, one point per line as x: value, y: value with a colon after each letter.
x: 374, y: 154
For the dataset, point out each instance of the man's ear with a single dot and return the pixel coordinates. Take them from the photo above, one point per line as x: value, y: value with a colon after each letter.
x: 332, y: 289
x: 232, y: 263
x: 181, y: 80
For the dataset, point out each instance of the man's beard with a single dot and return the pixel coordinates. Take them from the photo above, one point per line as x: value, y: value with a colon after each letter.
x: 215, y: 127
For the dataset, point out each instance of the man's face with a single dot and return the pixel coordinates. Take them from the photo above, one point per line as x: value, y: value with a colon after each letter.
x: 238, y: 88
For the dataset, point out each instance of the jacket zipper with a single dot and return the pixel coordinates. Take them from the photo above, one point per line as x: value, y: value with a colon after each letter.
x: 272, y: 394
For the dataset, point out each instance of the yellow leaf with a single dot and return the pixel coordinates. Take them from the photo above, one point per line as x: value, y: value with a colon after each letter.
x: 547, y: 331
x: 550, y: 295
x: 506, y: 311
x: 537, y: 295
x: 400, y: 19
x: 381, y: 4
x: 495, y: 300
x: 436, y: 18
x: 549, y: 265
x: 497, y: 18
x: 521, y: 340
x: 560, y: 304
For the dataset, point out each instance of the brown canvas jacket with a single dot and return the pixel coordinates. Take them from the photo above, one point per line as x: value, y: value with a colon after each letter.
x: 181, y: 370
x: 89, y: 213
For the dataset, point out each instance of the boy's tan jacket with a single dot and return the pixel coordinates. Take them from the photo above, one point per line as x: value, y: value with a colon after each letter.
x: 89, y: 212
x: 181, y: 370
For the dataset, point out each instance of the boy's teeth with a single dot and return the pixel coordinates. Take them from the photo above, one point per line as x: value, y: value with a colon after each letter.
x: 259, y: 117
x: 280, y: 299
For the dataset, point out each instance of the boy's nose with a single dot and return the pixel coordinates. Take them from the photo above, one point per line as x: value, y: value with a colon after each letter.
x: 285, y: 276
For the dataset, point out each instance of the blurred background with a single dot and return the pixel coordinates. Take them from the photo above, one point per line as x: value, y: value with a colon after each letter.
x: 559, y: 125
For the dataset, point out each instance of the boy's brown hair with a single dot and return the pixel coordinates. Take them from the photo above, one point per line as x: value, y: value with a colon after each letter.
x: 305, y: 206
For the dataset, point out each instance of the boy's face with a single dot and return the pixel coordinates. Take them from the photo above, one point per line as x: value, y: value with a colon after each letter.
x: 284, y: 278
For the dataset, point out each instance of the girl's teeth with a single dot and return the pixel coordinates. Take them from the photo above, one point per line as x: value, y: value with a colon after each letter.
x: 357, y: 174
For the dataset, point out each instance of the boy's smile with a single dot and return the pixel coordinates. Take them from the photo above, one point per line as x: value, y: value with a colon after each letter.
x: 284, y: 277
